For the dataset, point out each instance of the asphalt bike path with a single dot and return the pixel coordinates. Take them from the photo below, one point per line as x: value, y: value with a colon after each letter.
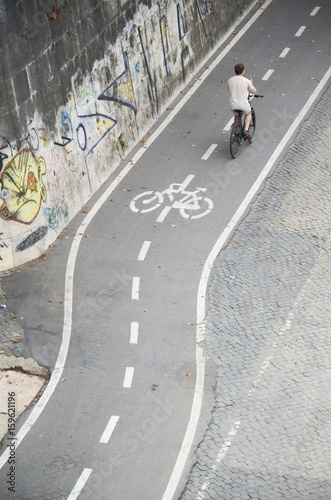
x: 116, y: 421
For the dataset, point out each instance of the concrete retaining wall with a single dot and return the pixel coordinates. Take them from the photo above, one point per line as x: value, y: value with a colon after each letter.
x: 82, y: 81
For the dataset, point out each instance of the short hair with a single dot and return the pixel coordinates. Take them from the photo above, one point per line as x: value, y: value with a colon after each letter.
x: 239, y: 68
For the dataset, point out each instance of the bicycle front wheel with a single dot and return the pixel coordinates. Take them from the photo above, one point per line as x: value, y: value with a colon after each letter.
x: 252, y: 126
x: 235, y: 139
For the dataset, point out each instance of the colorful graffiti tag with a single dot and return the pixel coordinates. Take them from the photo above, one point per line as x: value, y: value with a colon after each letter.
x: 22, y: 177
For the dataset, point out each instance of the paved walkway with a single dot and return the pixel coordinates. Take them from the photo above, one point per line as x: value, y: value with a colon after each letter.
x: 269, y: 332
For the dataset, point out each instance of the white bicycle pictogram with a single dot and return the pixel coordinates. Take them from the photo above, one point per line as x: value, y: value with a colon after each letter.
x: 192, y: 205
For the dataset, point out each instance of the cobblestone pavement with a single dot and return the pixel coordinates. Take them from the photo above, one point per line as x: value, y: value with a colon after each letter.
x: 269, y: 331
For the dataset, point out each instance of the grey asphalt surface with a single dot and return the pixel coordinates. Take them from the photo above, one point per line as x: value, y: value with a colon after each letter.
x: 257, y: 294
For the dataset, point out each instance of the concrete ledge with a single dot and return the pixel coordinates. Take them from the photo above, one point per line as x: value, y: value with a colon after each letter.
x: 28, y: 366
x: 21, y: 383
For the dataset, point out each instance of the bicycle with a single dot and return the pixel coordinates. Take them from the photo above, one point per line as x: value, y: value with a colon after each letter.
x: 191, y: 205
x: 237, y: 137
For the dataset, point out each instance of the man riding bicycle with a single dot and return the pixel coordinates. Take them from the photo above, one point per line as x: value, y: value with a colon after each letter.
x: 240, y: 87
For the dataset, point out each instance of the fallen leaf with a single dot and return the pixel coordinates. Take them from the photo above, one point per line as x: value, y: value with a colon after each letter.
x: 312, y: 78
x: 84, y: 210
x: 128, y: 189
x: 16, y: 341
x: 173, y: 225
x: 235, y: 58
x: 66, y: 237
x: 63, y: 379
x: 112, y: 200
x: 21, y: 318
x: 189, y: 374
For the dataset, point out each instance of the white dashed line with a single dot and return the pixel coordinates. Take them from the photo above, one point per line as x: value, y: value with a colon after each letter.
x: 285, y: 52
x: 209, y: 152
x: 128, y: 377
x: 163, y: 214
x: 228, y: 125
x: 314, y: 11
x: 300, y: 31
x: 80, y: 484
x: 144, y: 250
x: 135, y: 288
x: 109, y: 429
x: 268, y: 74
x: 134, y: 332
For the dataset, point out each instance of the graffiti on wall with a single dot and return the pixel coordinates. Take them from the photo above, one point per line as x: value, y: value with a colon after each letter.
x: 204, y: 15
x: 22, y: 177
x: 151, y: 79
x: 29, y: 138
x: 121, y: 89
x: 75, y: 126
x: 165, y: 44
x: 181, y: 22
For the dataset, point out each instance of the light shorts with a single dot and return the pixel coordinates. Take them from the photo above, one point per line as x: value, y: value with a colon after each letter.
x: 246, y: 110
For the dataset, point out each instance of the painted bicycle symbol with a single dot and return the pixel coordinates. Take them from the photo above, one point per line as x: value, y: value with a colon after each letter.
x: 191, y: 204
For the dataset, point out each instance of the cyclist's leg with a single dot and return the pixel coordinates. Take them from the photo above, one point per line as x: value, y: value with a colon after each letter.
x: 248, y: 117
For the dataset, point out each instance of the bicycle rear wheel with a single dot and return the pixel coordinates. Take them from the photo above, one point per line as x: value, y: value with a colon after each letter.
x: 235, y: 139
x: 252, y: 126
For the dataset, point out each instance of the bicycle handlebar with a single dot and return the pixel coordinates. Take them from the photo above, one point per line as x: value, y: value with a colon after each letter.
x: 258, y: 95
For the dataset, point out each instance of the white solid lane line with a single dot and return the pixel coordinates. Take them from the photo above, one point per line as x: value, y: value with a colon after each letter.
x: 134, y: 332
x: 300, y: 31
x: 209, y: 152
x: 135, y: 288
x: 285, y: 52
x: 109, y: 429
x: 144, y: 250
x: 314, y: 11
x: 80, y: 484
x: 268, y: 74
x: 128, y: 377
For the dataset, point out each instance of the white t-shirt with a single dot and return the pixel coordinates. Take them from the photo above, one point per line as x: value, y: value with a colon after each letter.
x: 239, y: 87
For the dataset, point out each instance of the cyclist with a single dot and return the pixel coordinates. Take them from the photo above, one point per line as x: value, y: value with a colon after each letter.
x: 240, y: 87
